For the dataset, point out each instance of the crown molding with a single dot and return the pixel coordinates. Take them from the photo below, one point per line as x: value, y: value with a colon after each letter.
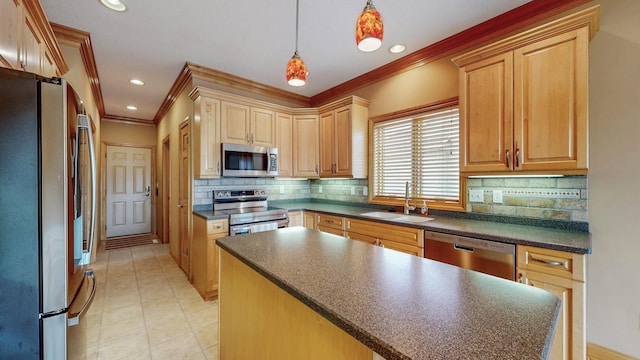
x: 499, y: 26
x: 127, y: 120
x: 34, y: 9
x: 192, y: 71
x: 82, y: 40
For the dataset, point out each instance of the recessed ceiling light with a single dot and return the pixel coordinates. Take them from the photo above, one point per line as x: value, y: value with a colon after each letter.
x: 131, y: 107
x: 395, y: 49
x: 136, y: 82
x: 116, y: 5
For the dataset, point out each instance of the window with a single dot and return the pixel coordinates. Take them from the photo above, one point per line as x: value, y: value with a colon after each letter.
x: 422, y: 148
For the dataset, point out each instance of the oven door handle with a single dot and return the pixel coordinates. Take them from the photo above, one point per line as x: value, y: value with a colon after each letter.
x: 241, y: 231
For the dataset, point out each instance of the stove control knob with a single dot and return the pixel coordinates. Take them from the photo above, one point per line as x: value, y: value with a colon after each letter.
x: 260, y: 192
x: 227, y: 194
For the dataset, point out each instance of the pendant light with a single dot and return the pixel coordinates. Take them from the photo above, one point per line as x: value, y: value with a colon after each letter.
x: 296, y: 69
x: 369, y: 29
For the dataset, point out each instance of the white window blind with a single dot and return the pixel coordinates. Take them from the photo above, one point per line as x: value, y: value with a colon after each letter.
x: 423, y: 150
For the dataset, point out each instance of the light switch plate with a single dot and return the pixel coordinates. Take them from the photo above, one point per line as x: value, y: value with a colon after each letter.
x: 281, y: 189
x: 353, y: 190
x: 320, y: 189
x: 365, y: 190
x: 476, y: 195
x: 497, y: 196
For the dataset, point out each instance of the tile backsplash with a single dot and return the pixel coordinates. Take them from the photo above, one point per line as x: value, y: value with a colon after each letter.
x: 549, y: 198
x: 553, y: 198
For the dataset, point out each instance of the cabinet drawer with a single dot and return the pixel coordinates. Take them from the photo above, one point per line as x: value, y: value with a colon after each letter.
x: 331, y: 230
x: 553, y: 262
x: 330, y: 221
x: 401, y: 234
x: 217, y: 227
x: 361, y: 237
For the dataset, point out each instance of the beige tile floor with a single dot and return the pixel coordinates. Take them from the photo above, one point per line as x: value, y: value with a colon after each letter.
x: 145, y: 308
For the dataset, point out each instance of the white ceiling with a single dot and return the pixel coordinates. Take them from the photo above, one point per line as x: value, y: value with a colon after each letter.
x: 252, y: 39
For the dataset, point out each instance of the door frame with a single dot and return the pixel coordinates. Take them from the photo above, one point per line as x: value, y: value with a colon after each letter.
x: 166, y: 189
x: 103, y: 185
x: 185, y: 123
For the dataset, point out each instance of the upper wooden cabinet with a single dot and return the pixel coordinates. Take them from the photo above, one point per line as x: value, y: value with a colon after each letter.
x: 305, y: 145
x: 343, y: 138
x: 27, y: 41
x: 241, y: 124
x: 284, y: 143
x: 524, y: 100
x: 206, y: 138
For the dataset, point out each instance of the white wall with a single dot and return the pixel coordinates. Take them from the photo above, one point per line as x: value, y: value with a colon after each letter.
x: 613, y: 282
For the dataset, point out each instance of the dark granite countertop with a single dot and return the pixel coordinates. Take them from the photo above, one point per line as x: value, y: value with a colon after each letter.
x: 551, y: 238
x: 210, y: 215
x: 402, y: 306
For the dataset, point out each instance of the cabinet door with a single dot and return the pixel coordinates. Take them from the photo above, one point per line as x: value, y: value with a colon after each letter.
x: 342, y: 138
x: 361, y: 237
x: 234, y: 123
x: 49, y: 67
x: 309, y: 220
x: 551, y: 102
x: 284, y: 143
x: 407, y: 249
x: 486, y: 114
x: 327, y: 143
x: 262, y: 127
x: 400, y: 234
x: 31, y: 55
x: 296, y: 218
x: 305, y: 146
x: 10, y: 15
x: 206, y: 138
x: 568, y: 339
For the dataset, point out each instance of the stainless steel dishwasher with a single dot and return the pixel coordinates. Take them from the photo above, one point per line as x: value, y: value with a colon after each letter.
x: 489, y: 257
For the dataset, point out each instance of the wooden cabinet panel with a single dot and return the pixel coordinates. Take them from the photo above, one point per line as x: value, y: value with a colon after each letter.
x: 234, y: 123
x: 305, y: 145
x: 330, y: 230
x: 327, y: 143
x: 206, y: 144
x: 205, y: 255
x: 361, y: 237
x: 401, y: 234
x: 524, y: 100
x: 284, y: 143
x: 10, y: 23
x: 330, y: 221
x: 398, y: 246
x: 486, y: 114
x: 562, y: 274
x: 343, y: 139
x: 551, y: 93
x: 343, y: 133
x: 309, y: 219
x: 263, y: 127
x: 31, y: 52
x: 296, y: 218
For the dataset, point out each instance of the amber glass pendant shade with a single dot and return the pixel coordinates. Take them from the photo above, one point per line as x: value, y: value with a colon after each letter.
x: 296, y: 71
x: 369, y: 29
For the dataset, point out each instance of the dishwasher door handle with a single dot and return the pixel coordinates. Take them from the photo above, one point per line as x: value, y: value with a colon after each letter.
x: 463, y: 248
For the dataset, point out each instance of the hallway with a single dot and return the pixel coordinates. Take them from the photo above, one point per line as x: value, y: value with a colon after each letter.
x: 145, y: 308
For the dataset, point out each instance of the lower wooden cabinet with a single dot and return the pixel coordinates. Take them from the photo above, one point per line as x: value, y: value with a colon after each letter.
x: 562, y: 274
x: 204, y: 255
x: 406, y: 239
x: 330, y: 224
x: 296, y: 218
x: 309, y: 219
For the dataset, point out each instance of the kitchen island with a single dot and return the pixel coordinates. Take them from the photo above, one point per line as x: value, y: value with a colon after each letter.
x: 300, y: 293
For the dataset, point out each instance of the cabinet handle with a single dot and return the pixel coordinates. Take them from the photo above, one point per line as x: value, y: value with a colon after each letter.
x: 521, y: 278
x: 329, y: 221
x: 549, y: 262
x: 316, y: 169
x: 380, y: 243
x: 517, y: 157
x: 218, y: 167
x: 180, y: 206
x: 508, y: 158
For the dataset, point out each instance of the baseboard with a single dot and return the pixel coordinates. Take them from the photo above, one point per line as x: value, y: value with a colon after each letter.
x: 596, y: 352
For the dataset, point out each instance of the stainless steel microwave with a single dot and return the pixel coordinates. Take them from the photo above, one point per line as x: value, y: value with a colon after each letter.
x: 240, y: 160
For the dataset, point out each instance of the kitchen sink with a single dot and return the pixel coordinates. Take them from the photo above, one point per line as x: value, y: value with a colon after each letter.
x: 414, y: 218
x: 385, y: 215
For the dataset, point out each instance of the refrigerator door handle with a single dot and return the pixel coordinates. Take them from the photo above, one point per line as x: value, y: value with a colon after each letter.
x: 85, y: 123
x: 51, y: 313
x: 74, y: 313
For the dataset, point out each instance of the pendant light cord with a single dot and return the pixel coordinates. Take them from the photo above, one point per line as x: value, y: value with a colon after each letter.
x: 297, y: 6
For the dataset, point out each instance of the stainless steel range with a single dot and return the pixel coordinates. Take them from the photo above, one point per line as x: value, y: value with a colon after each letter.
x: 248, y: 211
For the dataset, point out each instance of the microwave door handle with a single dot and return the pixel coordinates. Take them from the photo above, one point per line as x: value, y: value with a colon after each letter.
x: 84, y: 123
x: 268, y: 161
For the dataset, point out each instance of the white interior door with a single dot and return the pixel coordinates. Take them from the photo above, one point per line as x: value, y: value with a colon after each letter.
x: 128, y: 191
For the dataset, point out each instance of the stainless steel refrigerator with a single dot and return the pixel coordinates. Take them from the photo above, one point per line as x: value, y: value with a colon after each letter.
x: 47, y: 216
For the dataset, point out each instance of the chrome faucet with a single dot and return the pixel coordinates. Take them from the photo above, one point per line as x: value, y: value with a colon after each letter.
x: 407, y: 208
